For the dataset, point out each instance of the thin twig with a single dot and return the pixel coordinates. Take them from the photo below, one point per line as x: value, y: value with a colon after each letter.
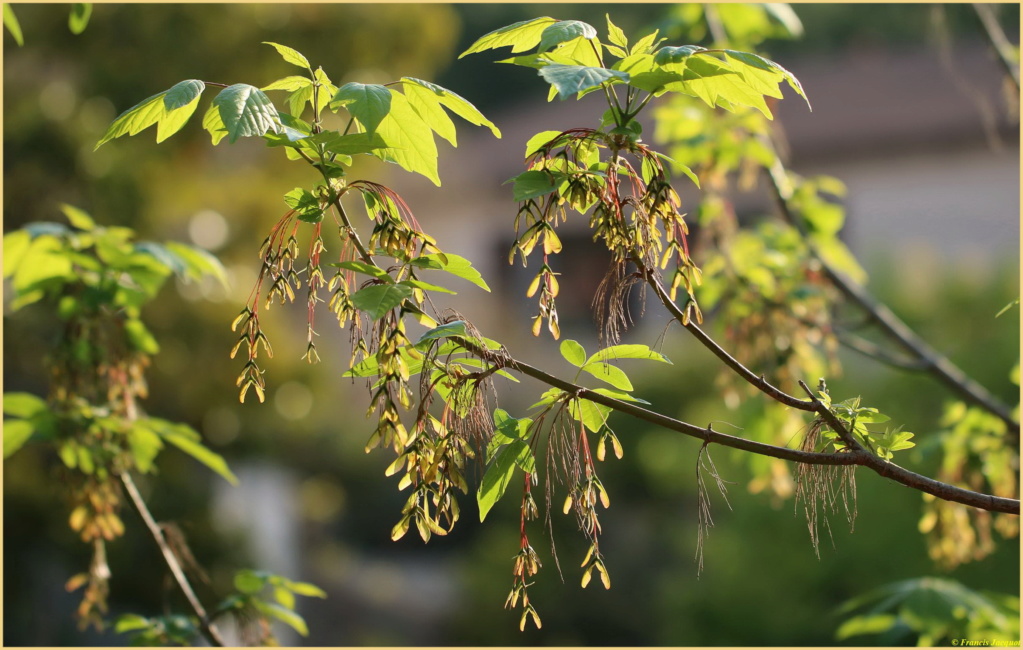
x: 209, y: 629
x: 759, y: 382
x: 999, y: 43
x: 874, y: 351
x: 931, y: 360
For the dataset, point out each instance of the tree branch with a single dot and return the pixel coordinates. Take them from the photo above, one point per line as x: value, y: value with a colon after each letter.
x: 874, y: 351
x: 1001, y: 46
x: 931, y: 361
x: 758, y: 382
x: 857, y: 456
x: 910, y: 479
x: 209, y: 629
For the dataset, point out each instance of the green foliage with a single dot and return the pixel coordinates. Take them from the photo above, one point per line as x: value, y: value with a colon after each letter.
x: 172, y: 630
x: 169, y: 110
x: 765, y: 281
x: 396, y: 127
x: 96, y: 280
x: 246, y: 111
x: 250, y: 600
x: 78, y: 20
x: 12, y: 24
x: 976, y: 450
x: 935, y: 611
x: 508, y: 449
x: 568, y: 56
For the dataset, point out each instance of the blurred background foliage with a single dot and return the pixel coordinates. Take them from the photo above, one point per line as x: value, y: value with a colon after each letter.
x: 314, y: 506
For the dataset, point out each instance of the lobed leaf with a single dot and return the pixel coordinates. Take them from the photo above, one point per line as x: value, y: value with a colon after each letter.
x: 520, y: 36
x: 760, y: 72
x: 169, y: 110
x: 430, y: 96
x: 214, y: 124
x: 409, y: 139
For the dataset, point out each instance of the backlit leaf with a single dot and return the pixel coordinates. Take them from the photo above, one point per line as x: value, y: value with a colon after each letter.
x: 290, y: 55
x: 367, y: 269
x: 44, y: 260
x: 454, y: 264
x: 78, y: 19
x: 198, y: 262
x: 23, y: 405
x: 145, y: 445
x: 173, y: 106
x: 574, y: 353
x: 16, y: 243
x: 77, y: 217
x: 187, y: 440
x: 423, y: 94
x: 214, y: 124
x: 713, y: 81
x: 610, y: 374
x: 627, y: 351
x: 305, y: 589
x: 763, y: 73
x: 353, y: 143
x: 615, y: 34
x: 409, y: 139
x: 521, y: 36
x: 291, y: 84
x: 539, y: 141
x: 12, y: 24
x: 499, y: 473
x: 16, y: 434
x: 378, y: 299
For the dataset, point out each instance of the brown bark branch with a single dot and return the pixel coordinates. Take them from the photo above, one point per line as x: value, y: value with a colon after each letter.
x: 209, y: 629
x: 931, y: 361
x: 857, y: 456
